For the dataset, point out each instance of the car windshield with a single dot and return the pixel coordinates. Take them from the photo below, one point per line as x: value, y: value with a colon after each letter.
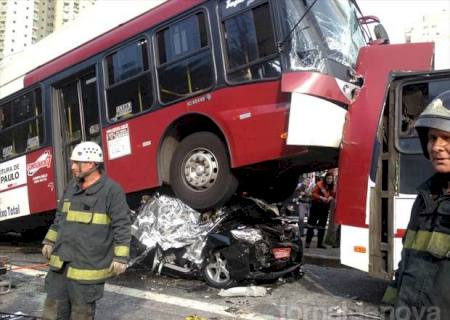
x: 329, y: 30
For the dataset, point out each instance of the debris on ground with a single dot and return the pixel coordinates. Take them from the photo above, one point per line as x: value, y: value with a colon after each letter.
x: 16, y: 316
x: 249, y: 291
x: 195, y: 317
x: 5, y: 280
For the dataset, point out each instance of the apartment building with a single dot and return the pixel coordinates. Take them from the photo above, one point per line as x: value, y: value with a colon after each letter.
x: 24, y: 22
x: 433, y: 27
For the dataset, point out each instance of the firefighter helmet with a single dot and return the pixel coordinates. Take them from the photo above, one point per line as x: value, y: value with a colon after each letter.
x: 87, y: 151
x: 436, y: 116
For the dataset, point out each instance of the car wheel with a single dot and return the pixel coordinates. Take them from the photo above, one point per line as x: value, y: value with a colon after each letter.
x: 216, y: 272
x: 200, y: 173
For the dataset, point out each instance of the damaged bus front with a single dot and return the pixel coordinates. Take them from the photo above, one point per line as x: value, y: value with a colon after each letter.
x: 322, y: 40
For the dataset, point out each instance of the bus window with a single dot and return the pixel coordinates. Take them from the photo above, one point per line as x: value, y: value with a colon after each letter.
x: 5, y: 116
x: 71, y: 107
x: 90, y: 107
x: 414, y: 98
x: 185, y: 61
x: 6, y: 138
x: 413, y: 102
x: 250, y: 45
x: 21, y: 128
x: 129, y: 84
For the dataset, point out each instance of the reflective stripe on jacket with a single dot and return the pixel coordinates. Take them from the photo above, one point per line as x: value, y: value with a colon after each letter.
x: 91, y: 228
x: 422, y: 280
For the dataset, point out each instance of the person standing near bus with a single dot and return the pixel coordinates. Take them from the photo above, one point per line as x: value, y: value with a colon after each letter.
x: 89, y: 240
x: 322, y: 195
x: 304, y: 202
x: 421, y: 287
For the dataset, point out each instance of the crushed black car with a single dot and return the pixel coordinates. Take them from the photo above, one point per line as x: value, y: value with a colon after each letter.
x: 246, y: 240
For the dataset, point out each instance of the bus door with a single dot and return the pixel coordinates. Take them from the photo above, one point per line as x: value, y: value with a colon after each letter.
x: 77, y: 103
x: 401, y: 166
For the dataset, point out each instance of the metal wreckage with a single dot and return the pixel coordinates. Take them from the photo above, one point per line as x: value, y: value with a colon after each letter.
x: 245, y: 240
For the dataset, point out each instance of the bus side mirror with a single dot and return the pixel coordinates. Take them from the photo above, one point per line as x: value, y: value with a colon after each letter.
x: 381, y: 34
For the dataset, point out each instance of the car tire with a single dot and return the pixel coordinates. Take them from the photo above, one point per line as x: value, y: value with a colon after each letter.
x: 200, y: 173
x: 216, y: 272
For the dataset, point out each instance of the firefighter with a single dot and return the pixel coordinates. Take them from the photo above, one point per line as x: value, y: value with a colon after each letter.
x: 322, y: 196
x: 89, y: 240
x: 421, y: 287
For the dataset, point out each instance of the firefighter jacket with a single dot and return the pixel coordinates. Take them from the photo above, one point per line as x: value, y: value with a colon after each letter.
x: 92, y: 228
x: 421, y: 284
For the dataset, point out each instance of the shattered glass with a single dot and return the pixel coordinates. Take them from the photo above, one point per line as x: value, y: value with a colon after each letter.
x: 329, y: 31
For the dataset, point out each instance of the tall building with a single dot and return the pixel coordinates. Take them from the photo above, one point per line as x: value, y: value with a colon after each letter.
x: 67, y: 10
x: 24, y: 22
x: 433, y: 27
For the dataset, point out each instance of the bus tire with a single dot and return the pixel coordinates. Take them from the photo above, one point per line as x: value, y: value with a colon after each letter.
x: 200, y: 173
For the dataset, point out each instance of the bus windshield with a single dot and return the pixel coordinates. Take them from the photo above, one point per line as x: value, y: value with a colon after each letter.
x: 327, y: 31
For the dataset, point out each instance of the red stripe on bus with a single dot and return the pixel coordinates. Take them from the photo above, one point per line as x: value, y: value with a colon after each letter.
x: 153, y: 17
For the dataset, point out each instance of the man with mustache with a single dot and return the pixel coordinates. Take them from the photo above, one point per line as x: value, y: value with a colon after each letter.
x: 421, y: 287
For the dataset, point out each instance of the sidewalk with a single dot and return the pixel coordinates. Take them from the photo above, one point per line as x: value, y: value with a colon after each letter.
x: 324, y: 257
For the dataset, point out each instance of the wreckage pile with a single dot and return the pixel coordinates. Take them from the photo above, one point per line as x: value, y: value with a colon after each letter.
x: 245, y: 240
x: 166, y: 223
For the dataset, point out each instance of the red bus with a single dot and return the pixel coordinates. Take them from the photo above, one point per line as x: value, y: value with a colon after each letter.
x: 193, y: 94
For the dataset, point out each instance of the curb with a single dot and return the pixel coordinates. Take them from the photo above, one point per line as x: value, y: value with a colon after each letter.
x: 322, y: 260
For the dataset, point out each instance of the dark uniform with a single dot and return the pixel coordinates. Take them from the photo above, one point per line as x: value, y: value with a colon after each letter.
x: 422, y: 284
x: 91, y: 229
x: 421, y: 289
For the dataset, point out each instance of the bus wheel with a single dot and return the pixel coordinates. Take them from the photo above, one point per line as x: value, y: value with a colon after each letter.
x: 200, y: 173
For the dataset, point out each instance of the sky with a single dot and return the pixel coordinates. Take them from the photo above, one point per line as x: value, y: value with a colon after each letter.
x: 396, y: 14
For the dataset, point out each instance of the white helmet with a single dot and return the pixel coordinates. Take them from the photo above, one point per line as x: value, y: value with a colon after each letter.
x: 87, y: 151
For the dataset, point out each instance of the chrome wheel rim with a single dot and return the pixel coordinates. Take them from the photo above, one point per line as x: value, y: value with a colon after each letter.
x: 217, y: 270
x: 200, y: 169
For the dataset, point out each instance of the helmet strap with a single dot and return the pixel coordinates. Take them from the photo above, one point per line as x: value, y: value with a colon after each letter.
x: 83, y: 175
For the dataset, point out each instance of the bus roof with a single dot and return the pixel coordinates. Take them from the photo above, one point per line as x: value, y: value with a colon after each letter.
x: 82, y: 39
